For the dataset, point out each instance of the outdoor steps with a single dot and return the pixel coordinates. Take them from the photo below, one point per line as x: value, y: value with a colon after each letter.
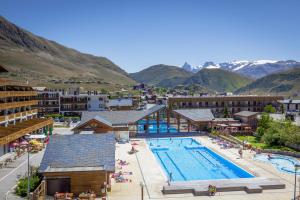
x: 200, y: 188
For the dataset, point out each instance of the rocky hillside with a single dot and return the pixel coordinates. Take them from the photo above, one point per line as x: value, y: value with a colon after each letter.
x: 44, y: 62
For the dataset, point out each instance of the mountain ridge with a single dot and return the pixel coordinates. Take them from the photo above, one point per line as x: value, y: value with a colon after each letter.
x: 40, y: 60
x: 254, y: 69
x: 169, y: 76
x: 286, y: 83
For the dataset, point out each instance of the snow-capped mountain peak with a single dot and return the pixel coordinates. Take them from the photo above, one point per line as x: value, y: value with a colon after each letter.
x: 254, y: 69
x: 186, y: 66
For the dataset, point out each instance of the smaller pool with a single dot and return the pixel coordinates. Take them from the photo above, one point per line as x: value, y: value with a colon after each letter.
x: 284, y: 164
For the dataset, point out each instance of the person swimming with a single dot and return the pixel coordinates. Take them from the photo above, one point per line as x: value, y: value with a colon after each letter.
x: 269, y: 157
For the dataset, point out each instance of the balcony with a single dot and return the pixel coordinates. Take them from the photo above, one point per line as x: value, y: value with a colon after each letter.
x: 4, y: 94
x: 18, y: 115
x: 18, y: 104
x: 13, y: 132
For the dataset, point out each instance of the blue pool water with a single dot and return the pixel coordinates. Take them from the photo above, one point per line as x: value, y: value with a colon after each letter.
x: 284, y: 164
x: 188, y: 160
x: 163, y: 128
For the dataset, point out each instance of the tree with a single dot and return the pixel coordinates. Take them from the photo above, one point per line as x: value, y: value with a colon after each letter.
x: 282, y: 109
x: 226, y: 112
x: 269, y: 109
x: 263, y: 124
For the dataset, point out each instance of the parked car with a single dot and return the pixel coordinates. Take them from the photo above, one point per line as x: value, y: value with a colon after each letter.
x: 56, y: 119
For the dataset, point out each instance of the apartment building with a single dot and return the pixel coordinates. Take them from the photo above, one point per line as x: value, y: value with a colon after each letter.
x: 291, y: 105
x: 75, y: 104
x: 68, y: 102
x: 18, y: 115
x: 48, y: 101
x: 217, y: 104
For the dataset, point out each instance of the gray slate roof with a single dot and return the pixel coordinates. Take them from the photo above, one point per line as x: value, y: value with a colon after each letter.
x: 118, y: 118
x: 196, y: 115
x: 79, y: 151
x: 290, y: 101
x: 245, y: 113
x: 119, y: 102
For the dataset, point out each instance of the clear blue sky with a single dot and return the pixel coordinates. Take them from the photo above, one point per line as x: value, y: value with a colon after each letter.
x: 137, y: 34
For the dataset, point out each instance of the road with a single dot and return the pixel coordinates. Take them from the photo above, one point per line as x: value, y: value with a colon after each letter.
x: 10, y: 174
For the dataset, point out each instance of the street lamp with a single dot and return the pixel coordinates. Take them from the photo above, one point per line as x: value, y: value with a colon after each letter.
x: 28, y: 167
x: 295, y: 184
x: 142, y: 190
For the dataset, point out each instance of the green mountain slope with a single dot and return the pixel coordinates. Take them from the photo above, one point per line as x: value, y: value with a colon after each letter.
x: 218, y: 80
x: 283, y: 83
x: 42, y: 61
x: 156, y: 74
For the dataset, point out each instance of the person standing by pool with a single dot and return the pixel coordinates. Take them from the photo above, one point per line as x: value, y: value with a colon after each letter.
x: 241, y: 152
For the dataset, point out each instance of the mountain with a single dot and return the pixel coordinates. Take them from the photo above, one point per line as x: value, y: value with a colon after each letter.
x: 283, y: 83
x: 161, y: 75
x: 210, y: 78
x: 218, y: 79
x: 253, y: 69
x: 44, y: 62
x: 190, y: 68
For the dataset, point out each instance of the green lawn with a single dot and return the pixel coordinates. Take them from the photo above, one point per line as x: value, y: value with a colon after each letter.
x: 252, y: 140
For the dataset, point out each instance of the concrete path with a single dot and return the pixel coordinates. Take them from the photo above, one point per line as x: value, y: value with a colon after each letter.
x: 17, y: 169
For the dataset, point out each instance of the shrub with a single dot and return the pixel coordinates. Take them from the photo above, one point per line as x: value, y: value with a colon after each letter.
x: 21, y: 188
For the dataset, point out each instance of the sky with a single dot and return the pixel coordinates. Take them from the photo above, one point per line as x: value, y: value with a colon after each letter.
x: 136, y: 34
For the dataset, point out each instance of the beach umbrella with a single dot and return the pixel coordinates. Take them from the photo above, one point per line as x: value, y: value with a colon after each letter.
x: 15, y: 144
x: 24, y: 143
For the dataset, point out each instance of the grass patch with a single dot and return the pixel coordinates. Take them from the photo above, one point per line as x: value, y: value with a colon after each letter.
x: 255, y: 143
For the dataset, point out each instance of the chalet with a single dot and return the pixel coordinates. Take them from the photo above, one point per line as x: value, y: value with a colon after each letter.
x: 78, y: 163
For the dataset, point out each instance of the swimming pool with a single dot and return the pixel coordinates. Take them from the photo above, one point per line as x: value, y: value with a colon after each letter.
x: 188, y: 160
x: 284, y: 164
x: 163, y: 128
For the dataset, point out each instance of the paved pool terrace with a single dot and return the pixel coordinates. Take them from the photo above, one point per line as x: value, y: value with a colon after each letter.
x: 191, y: 167
x: 268, y: 184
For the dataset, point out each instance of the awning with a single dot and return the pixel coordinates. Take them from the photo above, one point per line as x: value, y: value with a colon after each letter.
x: 37, y: 136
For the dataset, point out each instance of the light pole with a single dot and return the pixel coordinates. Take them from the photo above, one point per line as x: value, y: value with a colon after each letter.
x: 142, y: 190
x: 295, y: 184
x: 28, y: 168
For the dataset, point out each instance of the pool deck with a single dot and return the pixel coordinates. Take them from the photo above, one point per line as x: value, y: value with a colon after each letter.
x: 199, y: 188
x: 146, y: 169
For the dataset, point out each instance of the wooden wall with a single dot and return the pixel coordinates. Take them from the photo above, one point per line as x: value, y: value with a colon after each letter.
x: 82, y: 181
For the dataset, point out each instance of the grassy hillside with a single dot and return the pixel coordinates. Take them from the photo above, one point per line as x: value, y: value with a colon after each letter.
x: 284, y: 83
x: 41, y: 61
x: 218, y: 80
x: 156, y: 74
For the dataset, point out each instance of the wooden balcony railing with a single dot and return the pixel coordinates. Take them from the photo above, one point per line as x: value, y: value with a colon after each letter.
x: 4, y: 94
x: 13, y: 132
x: 18, y: 115
x: 18, y: 104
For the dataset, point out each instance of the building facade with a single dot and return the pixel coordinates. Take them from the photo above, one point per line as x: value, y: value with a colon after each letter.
x: 18, y: 114
x: 68, y: 102
x: 233, y: 104
x: 76, y: 104
x: 291, y: 105
x: 48, y: 101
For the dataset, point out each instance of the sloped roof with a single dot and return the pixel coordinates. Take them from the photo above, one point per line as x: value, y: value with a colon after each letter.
x: 119, y: 102
x: 118, y: 118
x: 246, y: 113
x: 196, y: 115
x: 2, y: 69
x: 69, y: 152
